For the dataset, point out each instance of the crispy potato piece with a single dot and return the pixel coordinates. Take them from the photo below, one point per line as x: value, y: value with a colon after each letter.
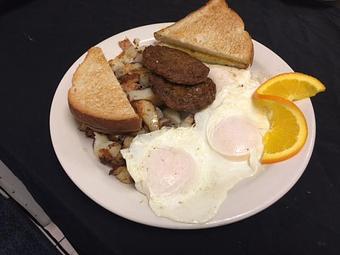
x: 108, y: 152
x: 164, y: 122
x: 101, y: 141
x: 84, y: 128
x: 114, y: 149
x: 144, y: 79
x: 111, y: 155
x: 138, y: 58
x: 120, y: 69
x: 133, y: 67
x: 172, y: 115
x: 123, y: 63
x: 144, y: 94
x: 117, y: 67
x: 127, y: 141
x: 130, y: 77
x: 125, y: 44
x: 188, y: 121
x: 130, y: 86
x: 146, y: 110
x: 136, y: 42
x: 143, y: 73
x: 129, y: 51
x: 137, y: 74
x: 159, y: 113
x: 122, y: 174
x: 106, y: 158
x: 116, y: 138
x: 130, y: 82
x: 89, y: 133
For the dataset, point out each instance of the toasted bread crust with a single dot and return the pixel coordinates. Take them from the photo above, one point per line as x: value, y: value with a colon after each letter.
x: 107, y: 126
x: 251, y: 51
x: 214, y: 30
x: 97, y: 100
x: 209, y: 58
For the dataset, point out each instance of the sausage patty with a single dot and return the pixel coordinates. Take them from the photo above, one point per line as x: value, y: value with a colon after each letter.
x: 174, y: 65
x: 184, y: 98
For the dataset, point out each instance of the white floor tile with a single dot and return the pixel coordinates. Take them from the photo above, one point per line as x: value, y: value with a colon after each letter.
x: 49, y: 238
x: 55, y: 231
x: 58, y: 235
x: 68, y: 247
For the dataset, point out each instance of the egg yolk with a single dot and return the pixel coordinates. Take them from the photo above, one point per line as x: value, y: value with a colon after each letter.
x: 235, y: 137
x: 169, y: 170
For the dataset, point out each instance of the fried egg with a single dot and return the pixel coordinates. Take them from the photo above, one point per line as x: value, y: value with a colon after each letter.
x: 233, y: 125
x: 182, y: 177
x: 187, y: 172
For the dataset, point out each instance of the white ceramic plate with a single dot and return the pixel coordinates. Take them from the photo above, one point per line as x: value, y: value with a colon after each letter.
x: 75, y: 154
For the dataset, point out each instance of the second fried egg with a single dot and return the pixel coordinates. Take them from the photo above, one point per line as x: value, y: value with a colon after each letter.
x: 186, y: 173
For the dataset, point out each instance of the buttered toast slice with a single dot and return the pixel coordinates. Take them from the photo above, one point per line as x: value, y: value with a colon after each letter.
x: 97, y: 100
x: 214, y: 34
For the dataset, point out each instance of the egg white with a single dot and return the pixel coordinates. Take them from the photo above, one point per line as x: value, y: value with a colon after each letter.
x: 197, y: 200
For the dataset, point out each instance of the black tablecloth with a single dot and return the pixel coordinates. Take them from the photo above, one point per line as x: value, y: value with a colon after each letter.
x: 41, y: 39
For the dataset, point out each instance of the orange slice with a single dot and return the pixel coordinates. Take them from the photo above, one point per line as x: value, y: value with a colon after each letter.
x: 288, y: 128
x: 291, y: 86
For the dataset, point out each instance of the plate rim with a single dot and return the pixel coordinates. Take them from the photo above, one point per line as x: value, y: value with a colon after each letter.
x: 178, y: 225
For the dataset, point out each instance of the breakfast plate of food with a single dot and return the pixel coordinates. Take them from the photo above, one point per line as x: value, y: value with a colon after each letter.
x: 184, y: 125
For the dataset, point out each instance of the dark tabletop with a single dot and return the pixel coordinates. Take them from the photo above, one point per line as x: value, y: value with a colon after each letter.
x: 39, y: 40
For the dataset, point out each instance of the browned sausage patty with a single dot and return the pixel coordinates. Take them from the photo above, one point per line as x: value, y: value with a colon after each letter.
x: 184, y: 98
x: 174, y: 65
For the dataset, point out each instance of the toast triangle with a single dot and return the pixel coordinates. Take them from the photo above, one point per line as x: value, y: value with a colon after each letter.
x: 214, y: 34
x: 97, y: 100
